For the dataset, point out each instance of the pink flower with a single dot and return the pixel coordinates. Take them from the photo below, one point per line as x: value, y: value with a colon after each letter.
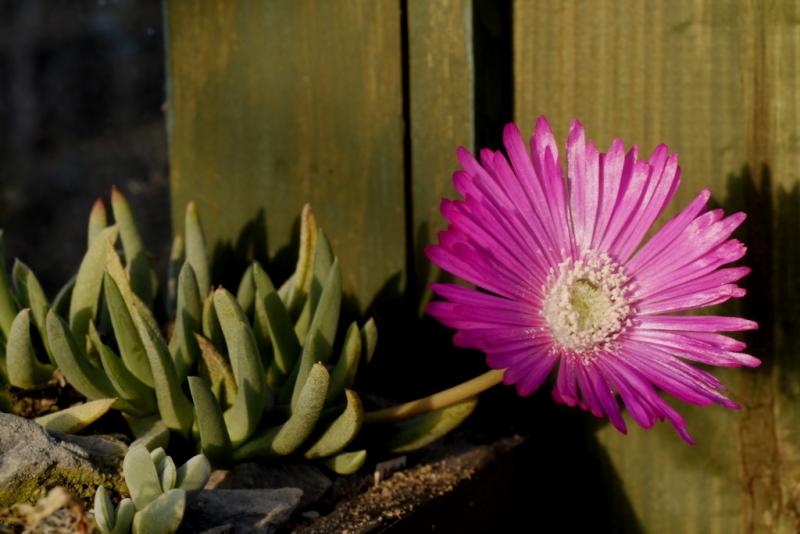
x: 567, y: 285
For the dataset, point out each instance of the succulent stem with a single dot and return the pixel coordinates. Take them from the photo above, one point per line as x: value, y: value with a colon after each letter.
x: 442, y: 399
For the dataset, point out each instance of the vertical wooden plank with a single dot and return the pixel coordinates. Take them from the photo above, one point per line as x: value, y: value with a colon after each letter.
x: 441, y: 110
x: 716, y: 80
x: 276, y: 103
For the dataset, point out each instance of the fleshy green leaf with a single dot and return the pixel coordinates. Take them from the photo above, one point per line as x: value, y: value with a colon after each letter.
x: 177, y: 257
x: 62, y: 299
x: 341, y: 431
x: 167, y: 473
x: 24, y: 368
x: 104, y: 513
x: 76, y: 418
x: 321, y: 333
x: 175, y: 409
x: 98, y: 220
x: 163, y: 515
x: 8, y: 308
x: 344, y: 374
x: 214, y: 439
x: 139, y: 267
x: 288, y: 437
x: 346, y: 463
x: 183, y: 346
x: 31, y: 295
x: 297, y: 293
x: 194, y: 474
x: 141, y: 476
x: 216, y: 371
x: 129, y: 341
x: 89, y: 282
x: 124, y: 519
x: 158, y: 455
x: 196, y: 252
x: 323, y: 262
x: 211, y: 329
x: 369, y: 339
x: 273, y: 323
x: 252, y: 395
x: 78, y: 371
x: 246, y: 294
x: 129, y: 388
x: 425, y: 429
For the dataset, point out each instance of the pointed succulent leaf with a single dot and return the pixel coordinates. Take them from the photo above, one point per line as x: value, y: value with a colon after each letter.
x: 196, y: 252
x: 125, y: 512
x: 118, y: 273
x: 252, y: 396
x: 98, y: 220
x: 341, y: 431
x: 214, y: 439
x: 344, y: 374
x: 135, y: 253
x: 211, y: 328
x: 130, y: 343
x: 319, y: 342
x: 303, y: 273
x: 323, y: 262
x: 62, y: 299
x: 246, y: 294
x: 150, y: 432
x: 31, y: 295
x: 158, y: 455
x: 76, y: 418
x: 141, y: 476
x: 24, y: 368
x: 183, y: 345
x: 89, y: 281
x: 193, y: 475
x: 78, y: 371
x: 369, y: 340
x: 346, y: 463
x: 162, y: 516
x: 288, y: 437
x: 425, y: 429
x: 286, y: 288
x: 3, y: 369
x: 104, y: 513
x: 8, y: 308
x: 273, y: 323
x: 175, y: 409
x: 125, y: 383
x: 167, y: 473
x: 216, y: 371
x: 177, y: 258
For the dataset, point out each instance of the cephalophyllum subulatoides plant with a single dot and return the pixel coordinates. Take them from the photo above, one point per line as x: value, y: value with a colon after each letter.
x: 247, y: 376
x: 157, y: 490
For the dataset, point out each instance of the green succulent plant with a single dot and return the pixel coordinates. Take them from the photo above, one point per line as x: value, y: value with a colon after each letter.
x: 157, y: 493
x: 246, y: 376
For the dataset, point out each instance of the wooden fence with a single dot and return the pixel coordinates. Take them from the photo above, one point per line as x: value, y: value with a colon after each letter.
x: 357, y: 106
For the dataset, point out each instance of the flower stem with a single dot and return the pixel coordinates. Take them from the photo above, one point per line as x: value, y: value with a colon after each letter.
x: 442, y: 399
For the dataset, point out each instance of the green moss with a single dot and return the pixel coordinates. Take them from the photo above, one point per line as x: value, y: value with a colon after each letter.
x: 82, y: 485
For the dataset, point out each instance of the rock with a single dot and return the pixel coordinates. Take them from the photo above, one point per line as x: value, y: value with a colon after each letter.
x: 33, y: 460
x: 241, y: 511
x: 257, y: 476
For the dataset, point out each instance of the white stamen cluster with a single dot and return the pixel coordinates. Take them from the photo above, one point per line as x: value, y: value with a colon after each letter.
x: 586, y: 304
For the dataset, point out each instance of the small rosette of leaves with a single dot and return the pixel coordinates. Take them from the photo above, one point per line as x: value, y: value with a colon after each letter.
x: 157, y: 493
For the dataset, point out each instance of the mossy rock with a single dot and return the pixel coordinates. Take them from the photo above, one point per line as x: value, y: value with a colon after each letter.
x: 35, y: 460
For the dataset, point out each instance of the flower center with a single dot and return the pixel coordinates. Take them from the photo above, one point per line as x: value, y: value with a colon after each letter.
x: 587, y: 306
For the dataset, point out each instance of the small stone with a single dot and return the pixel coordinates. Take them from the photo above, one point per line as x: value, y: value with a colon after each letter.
x: 239, y: 510
x: 35, y: 460
x: 257, y: 476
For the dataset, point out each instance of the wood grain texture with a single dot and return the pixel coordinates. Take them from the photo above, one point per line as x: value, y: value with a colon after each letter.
x: 717, y: 81
x: 441, y: 111
x: 276, y: 103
